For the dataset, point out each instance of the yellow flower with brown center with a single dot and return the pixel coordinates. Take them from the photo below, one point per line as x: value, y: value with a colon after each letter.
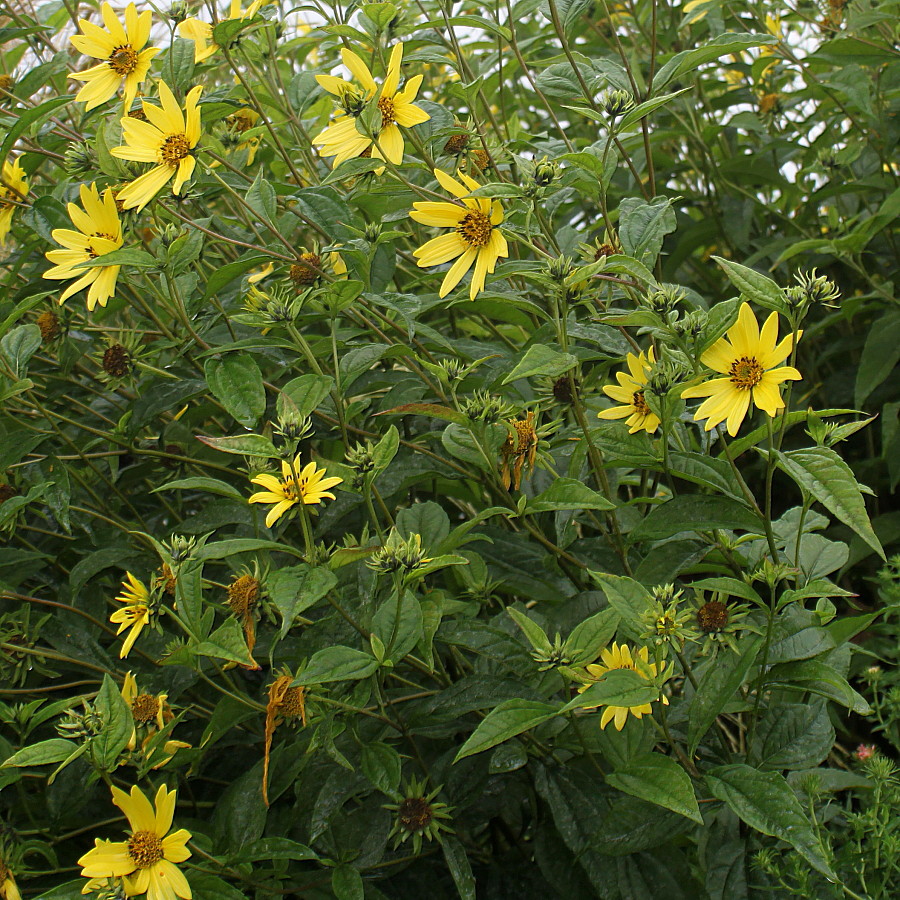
x: 620, y: 657
x: 520, y: 445
x: 99, y: 232
x: 307, y: 485
x: 341, y: 138
x: 136, y: 613
x: 475, y: 238
x: 167, y: 138
x: 630, y: 393
x: 146, y: 861
x: 201, y: 33
x: 150, y: 713
x: 125, y: 61
x: 13, y: 190
x: 749, y: 361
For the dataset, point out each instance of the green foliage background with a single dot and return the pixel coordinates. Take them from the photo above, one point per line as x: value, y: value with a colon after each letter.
x: 762, y: 145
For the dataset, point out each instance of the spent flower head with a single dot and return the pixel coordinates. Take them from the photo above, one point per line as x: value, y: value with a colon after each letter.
x: 418, y: 815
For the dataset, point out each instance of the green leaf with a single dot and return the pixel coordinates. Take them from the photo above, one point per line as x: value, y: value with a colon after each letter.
x: 660, y: 780
x: 382, y: 765
x: 200, y: 483
x: 643, y: 227
x: 296, y: 588
x: 270, y: 848
x: 118, y: 725
x: 508, y: 720
x: 717, y: 688
x: 19, y: 345
x: 765, y: 802
x: 45, y: 753
x: 337, y: 663
x: 26, y: 117
x: 432, y: 410
x: 567, y: 493
x: 347, y: 884
x: 627, y: 597
x: 399, y: 625
x: 720, y: 46
x: 753, y: 285
x: 385, y: 450
x: 124, y: 256
x: 305, y: 393
x: 821, y: 473
x: 644, y: 109
x: 237, y: 383
x: 541, y: 360
x: 819, y: 678
x: 243, y: 445
x: 460, y: 868
x: 533, y: 632
x: 880, y: 355
x: 588, y: 638
x: 226, y: 642
x: 260, y: 197
x: 233, y: 546
x: 227, y: 273
x: 618, y: 687
x: 695, y: 512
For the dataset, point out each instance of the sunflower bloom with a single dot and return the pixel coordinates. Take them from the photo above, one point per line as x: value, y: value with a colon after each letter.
x: 136, y: 613
x: 619, y: 657
x: 13, y: 189
x: 149, y: 712
x: 201, y: 33
x: 167, y: 139
x: 475, y: 238
x: 99, y: 231
x: 307, y: 485
x: 146, y: 861
x: 125, y: 61
x: 341, y: 139
x: 749, y: 361
x: 630, y: 393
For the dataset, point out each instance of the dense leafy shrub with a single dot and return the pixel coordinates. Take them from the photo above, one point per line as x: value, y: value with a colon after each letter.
x: 439, y: 450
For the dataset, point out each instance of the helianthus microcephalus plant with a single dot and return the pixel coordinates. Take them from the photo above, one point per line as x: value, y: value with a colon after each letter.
x: 341, y: 138
x: 167, y: 139
x: 146, y: 861
x: 125, y: 61
x: 13, y: 189
x: 630, y: 393
x: 475, y: 237
x: 749, y: 361
x: 136, y: 612
x: 8, y: 888
x: 620, y: 657
x: 99, y: 232
x: 201, y: 33
x: 307, y: 485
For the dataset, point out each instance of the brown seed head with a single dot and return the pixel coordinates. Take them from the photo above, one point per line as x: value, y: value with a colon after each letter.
x: 457, y: 143
x: 243, y: 594
x: 305, y: 273
x: 6, y: 82
x: 293, y: 704
x: 562, y: 390
x: 145, y: 708
x: 116, y: 361
x: 712, y: 616
x: 415, y: 814
x: 481, y: 159
x: 48, y: 322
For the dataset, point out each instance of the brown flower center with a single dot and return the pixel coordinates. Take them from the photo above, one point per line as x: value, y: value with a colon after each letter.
x: 639, y: 403
x: 48, y: 322
x: 475, y: 228
x: 293, y: 703
x: 145, y: 708
x: 415, y: 814
x: 240, y: 121
x: 482, y: 159
x: 123, y: 60
x: 7, y: 491
x: 746, y: 373
x: 174, y: 149
x: 386, y: 105
x: 6, y: 82
x: 145, y: 848
x: 243, y: 593
x: 116, y: 361
x: 305, y: 273
x: 712, y: 616
x: 456, y: 144
x: 138, y: 114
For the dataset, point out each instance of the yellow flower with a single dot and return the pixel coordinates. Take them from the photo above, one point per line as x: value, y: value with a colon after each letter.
x: 341, y: 139
x: 136, y: 613
x: 122, y: 51
x: 630, y: 392
x: 99, y: 231
x: 201, y: 32
x: 308, y: 485
x: 8, y: 889
x: 147, y: 859
x: 167, y: 139
x: 747, y: 366
x: 238, y: 122
x: 149, y: 712
x: 619, y: 657
x: 13, y: 189
x: 475, y: 237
